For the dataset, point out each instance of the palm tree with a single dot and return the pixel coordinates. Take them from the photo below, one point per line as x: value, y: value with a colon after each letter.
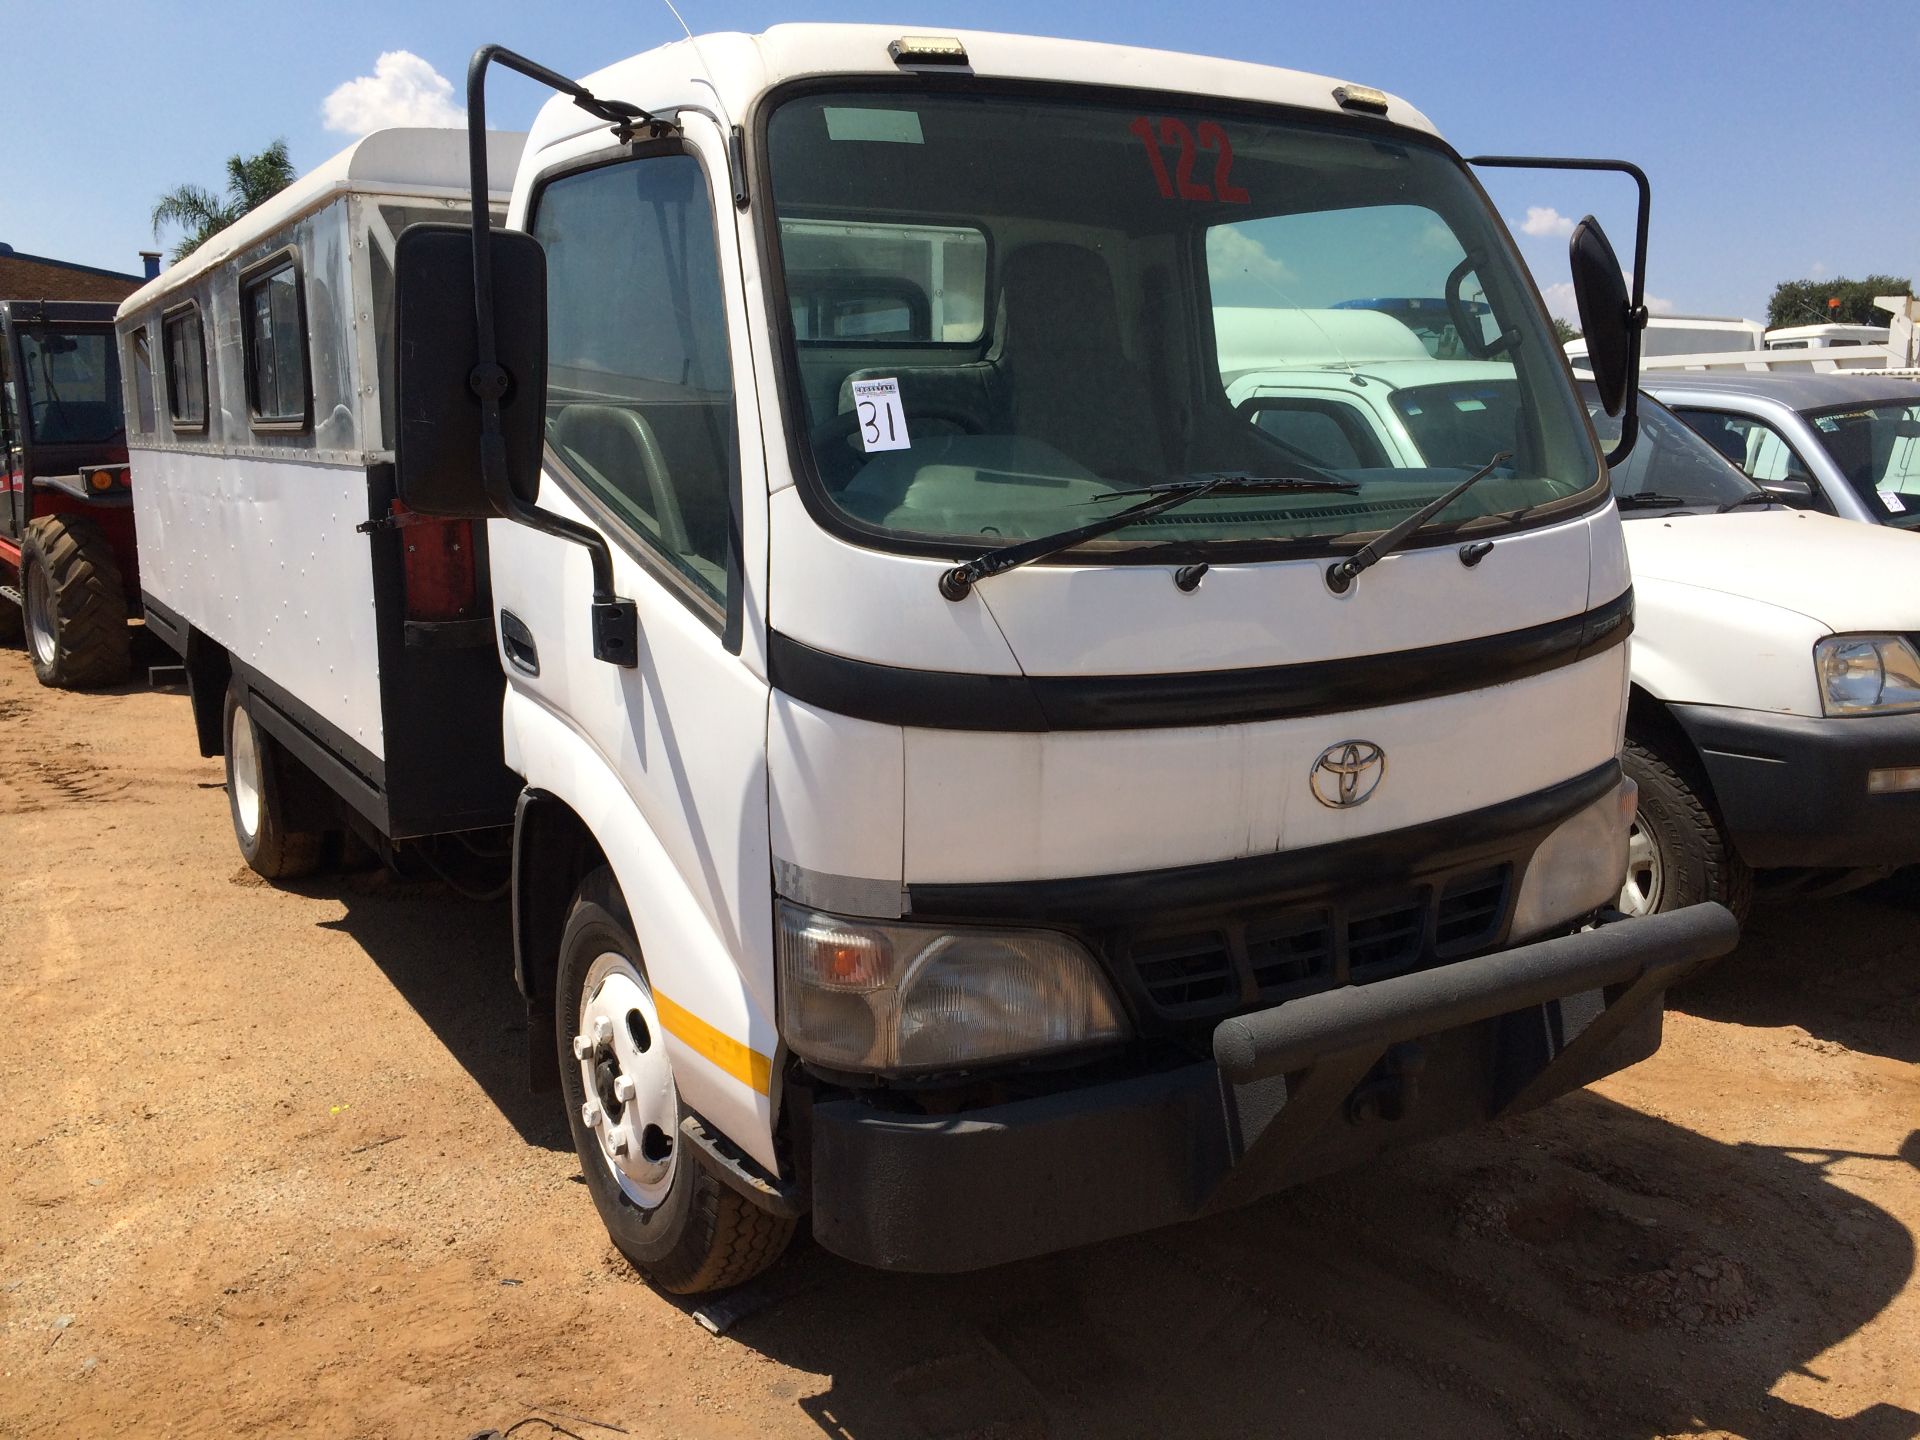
x: 200, y: 214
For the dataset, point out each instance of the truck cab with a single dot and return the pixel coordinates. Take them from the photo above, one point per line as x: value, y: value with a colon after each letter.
x: 976, y: 788
x: 67, y: 563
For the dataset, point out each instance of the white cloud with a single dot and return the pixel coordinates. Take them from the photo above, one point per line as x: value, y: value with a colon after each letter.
x: 403, y: 90
x: 1230, y: 250
x: 1657, y: 306
x: 1545, y: 220
x: 1818, y: 270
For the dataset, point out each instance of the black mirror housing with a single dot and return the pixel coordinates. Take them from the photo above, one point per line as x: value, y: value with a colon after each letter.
x: 1606, y: 314
x: 1797, y: 493
x: 437, y: 437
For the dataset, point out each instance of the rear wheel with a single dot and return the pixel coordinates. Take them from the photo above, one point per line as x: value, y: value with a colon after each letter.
x: 686, y: 1229
x: 1678, y: 853
x: 256, y: 799
x: 74, y: 604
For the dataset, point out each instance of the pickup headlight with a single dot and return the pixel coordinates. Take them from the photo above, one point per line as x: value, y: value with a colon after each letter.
x: 879, y: 996
x: 1867, y: 674
x: 1579, y: 867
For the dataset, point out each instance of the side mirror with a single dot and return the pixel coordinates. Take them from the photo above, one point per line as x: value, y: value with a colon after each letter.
x: 1606, y: 314
x: 1797, y: 493
x: 437, y: 439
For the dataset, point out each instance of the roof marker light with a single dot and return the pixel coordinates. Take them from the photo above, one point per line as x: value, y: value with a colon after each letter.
x: 927, y: 50
x: 1361, y: 97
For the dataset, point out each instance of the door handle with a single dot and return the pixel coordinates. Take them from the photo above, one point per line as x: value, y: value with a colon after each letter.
x: 517, y: 640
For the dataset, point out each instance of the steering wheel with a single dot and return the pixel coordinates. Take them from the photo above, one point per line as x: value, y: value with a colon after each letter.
x: 833, y: 437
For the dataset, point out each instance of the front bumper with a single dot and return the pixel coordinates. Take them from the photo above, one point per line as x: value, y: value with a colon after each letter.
x: 1294, y: 1091
x: 1793, y: 789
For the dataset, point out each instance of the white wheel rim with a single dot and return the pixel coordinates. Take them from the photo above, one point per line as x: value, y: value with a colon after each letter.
x: 243, y: 773
x: 631, y: 1107
x: 39, y: 609
x: 1646, y: 872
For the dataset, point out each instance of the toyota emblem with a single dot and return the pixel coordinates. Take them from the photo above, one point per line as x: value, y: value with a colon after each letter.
x: 1347, y: 773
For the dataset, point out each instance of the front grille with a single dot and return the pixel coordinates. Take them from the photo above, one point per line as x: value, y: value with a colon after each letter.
x: 1233, y: 963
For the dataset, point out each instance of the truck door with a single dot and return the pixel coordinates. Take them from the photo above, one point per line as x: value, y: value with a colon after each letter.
x: 12, y: 462
x: 645, y: 441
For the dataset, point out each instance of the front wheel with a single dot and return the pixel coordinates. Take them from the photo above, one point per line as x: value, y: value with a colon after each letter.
x: 74, y: 604
x: 684, y: 1228
x: 1678, y: 853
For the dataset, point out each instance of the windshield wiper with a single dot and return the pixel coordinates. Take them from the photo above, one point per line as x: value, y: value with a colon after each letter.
x: 1341, y: 574
x: 1653, y: 500
x: 957, y: 582
x: 1752, y: 497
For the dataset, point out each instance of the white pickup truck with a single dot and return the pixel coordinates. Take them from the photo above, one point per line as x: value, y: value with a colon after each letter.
x: 1773, y: 724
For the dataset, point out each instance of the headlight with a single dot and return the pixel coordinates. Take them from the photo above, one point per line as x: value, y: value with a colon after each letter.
x: 1579, y: 867
x: 866, y: 995
x: 1867, y: 674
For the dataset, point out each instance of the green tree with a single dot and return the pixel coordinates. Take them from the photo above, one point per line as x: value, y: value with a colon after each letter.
x: 199, y: 214
x: 1562, y: 331
x: 1807, y: 302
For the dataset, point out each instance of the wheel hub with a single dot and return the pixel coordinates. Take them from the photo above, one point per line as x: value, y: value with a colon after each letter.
x: 632, y: 1107
x: 243, y: 761
x: 40, y: 622
x: 1645, y: 887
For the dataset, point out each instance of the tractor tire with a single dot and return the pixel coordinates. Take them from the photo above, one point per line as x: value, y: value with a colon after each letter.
x: 256, y: 799
x: 74, y: 605
x: 679, y: 1224
x: 1678, y: 853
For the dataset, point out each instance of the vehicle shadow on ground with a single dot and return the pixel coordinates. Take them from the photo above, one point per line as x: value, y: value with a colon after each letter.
x: 451, y: 959
x: 1589, y: 1271
x: 1845, y: 970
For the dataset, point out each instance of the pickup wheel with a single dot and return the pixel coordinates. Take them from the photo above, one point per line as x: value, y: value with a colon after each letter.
x: 679, y: 1224
x: 1677, y: 852
x: 74, y: 604
x: 256, y: 799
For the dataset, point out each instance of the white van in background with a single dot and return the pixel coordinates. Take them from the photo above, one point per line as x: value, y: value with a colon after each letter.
x: 957, y: 778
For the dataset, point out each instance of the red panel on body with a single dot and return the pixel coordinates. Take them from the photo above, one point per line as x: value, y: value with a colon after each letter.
x: 438, y: 565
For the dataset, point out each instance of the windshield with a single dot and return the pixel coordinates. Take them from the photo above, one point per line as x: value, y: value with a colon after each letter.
x: 1877, y: 447
x: 1003, y: 308
x: 72, y: 380
x: 1669, y: 457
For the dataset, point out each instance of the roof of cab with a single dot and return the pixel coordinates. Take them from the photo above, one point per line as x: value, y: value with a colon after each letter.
x: 1797, y: 390
x: 738, y: 68
x: 401, y: 161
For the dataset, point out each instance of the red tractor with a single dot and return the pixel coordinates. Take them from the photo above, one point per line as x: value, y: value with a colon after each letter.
x: 68, y: 578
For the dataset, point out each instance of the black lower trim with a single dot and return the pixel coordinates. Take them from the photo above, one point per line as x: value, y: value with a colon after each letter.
x: 945, y: 700
x: 1792, y: 789
x: 961, y: 1190
x: 343, y: 765
x: 165, y: 624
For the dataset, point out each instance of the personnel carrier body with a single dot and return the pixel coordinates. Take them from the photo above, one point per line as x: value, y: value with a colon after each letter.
x: 951, y: 792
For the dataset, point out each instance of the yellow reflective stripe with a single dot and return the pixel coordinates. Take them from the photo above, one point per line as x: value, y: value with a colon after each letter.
x: 742, y: 1062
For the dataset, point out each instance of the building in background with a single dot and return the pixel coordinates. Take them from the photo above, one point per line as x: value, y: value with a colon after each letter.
x: 37, y: 277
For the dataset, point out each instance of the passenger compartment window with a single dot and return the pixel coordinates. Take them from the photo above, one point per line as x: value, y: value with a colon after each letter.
x: 639, y: 381
x: 276, y: 347
x: 186, y: 368
x: 142, y: 381
x: 885, y: 284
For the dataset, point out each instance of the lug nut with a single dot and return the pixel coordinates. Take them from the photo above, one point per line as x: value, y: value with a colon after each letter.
x: 582, y: 1047
x: 602, y: 1030
x: 619, y: 1146
x: 590, y: 1114
x: 623, y: 1088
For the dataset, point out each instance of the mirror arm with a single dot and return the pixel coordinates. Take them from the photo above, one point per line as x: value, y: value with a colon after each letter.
x: 1637, y: 303
x: 615, y: 622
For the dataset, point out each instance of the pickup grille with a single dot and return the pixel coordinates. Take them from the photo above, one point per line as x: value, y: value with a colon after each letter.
x: 1235, y: 963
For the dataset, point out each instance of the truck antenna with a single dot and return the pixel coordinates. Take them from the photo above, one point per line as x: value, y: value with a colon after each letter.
x: 706, y: 71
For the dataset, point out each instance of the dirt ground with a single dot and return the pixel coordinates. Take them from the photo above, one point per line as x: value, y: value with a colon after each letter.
x: 271, y: 1168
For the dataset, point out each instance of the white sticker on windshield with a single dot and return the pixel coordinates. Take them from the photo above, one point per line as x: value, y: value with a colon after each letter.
x: 883, y: 424
x: 1893, y: 500
x: 896, y: 127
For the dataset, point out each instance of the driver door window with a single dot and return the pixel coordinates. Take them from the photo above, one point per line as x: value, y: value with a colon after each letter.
x: 639, y: 380
x: 1760, y: 451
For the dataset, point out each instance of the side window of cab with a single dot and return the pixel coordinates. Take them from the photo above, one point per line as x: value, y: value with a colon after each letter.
x: 1751, y: 443
x: 640, y: 404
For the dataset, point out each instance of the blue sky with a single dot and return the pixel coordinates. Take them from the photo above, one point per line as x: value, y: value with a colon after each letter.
x: 1772, y: 131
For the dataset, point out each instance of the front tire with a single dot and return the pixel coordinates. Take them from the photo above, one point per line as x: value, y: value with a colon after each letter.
x: 257, y: 799
x: 1678, y: 853
x: 684, y: 1228
x: 74, y: 604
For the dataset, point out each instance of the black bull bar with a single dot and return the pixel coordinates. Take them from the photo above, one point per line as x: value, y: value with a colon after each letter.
x: 1291, y: 1092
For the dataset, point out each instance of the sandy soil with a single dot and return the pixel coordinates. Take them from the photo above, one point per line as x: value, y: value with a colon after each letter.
x: 271, y: 1168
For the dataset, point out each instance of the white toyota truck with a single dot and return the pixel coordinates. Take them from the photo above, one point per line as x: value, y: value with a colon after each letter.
x: 958, y: 779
